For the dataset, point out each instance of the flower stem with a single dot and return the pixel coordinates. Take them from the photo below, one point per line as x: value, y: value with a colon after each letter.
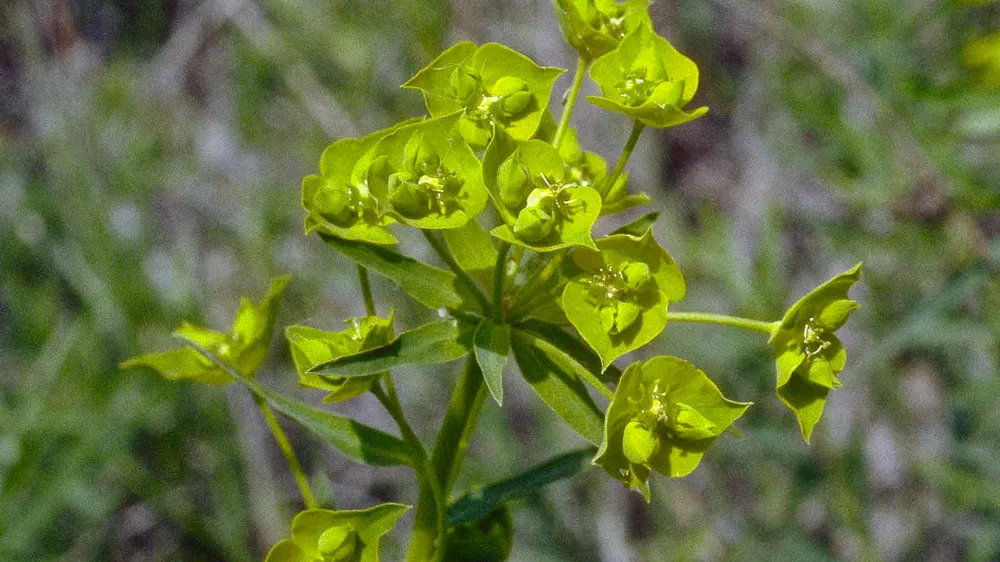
x: 499, y: 274
x: 723, y: 320
x: 633, y: 138
x: 288, y: 452
x: 463, y: 277
x: 596, y: 383
x: 366, y: 291
x: 573, y: 94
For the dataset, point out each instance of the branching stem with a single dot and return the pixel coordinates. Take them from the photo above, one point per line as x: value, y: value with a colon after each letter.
x: 723, y: 320
x: 633, y: 138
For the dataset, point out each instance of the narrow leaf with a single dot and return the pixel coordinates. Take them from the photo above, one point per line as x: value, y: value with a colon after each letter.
x: 430, y: 286
x: 554, y: 375
x: 473, y: 249
x: 639, y: 226
x: 576, y: 349
x: 360, y: 442
x: 478, y: 503
x: 430, y: 344
x: 492, y: 345
x: 459, y: 421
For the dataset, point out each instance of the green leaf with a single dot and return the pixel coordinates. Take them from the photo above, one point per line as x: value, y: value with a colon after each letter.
x: 357, y: 441
x: 554, y: 375
x: 492, y: 85
x: 594, y: 28
x: 459, y: 422
x: 245, y: 346
x: 808, y: 356
x: 489, y: 538
x: 473, y: 250
x: 432, y: 178
x: 181, y: 364
x: 613, y: 316
x: 317, y: 532
x: 639, y: 226
x: 430, y: 344
x: 665, y: 414
x: 646, y: 78
x: 480, y: 502
x: 492, y: 346
x: 431, y: 286
x: 571, y: 345
x: 311, y: 347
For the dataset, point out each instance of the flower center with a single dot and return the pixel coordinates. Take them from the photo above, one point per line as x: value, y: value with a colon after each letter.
x: 813, y: 342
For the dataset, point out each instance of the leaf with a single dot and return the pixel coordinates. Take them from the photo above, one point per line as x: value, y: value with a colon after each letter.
x: 489, y: 538
x: 474, y: 251
x: 430, y: 344
x: 358, y: 441
x: 639, y: 226
x: 646, y: 78
x: 181, y: 364
x: 478, y: 503
x: 554, y: 376
x: 431, y: 286
x: 492, y: 346
x: 459, y: 422
x: 571, y: 345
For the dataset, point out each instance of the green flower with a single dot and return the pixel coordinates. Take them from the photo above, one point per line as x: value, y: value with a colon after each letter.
x: 492, y: 86
x: 589, y: 170
x: 311, y: 347
x: 646, y: 78
x: 244, y: 347
x: 323, y: 535
x: 619, y: 302
x: 664, y: 415
x: 343, y: 200
x: 543, y: 208
x: 809, y: 357
x: 431, y: 177
x: 595, y: 27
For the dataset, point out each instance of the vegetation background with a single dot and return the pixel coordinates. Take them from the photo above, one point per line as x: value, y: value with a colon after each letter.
x: 150, y: 160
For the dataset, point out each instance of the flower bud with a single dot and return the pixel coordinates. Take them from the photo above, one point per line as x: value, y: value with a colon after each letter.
x: 507, y: 86
x: 337, y: 544
x: 335, y: 205
x: 690, y: 424
x: 636, y: 275
x: 533, y: 224
x: 639, y: 444
x: 407, y: 198
x: 512, y: 183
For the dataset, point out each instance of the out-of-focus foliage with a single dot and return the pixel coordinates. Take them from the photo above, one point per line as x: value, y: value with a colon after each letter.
x: 149, y: 168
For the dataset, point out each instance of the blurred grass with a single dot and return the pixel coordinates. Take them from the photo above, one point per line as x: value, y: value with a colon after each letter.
x: 149, y: 167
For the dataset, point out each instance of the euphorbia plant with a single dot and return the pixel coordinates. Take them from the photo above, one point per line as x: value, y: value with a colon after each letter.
x: 536, y: 287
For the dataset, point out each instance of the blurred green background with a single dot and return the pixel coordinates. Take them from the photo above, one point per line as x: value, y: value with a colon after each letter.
x: 150, y: 159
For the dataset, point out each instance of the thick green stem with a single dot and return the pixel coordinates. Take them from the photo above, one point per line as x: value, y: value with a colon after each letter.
x: 499, y: 274
x: 723, y: 320
x: 633, y: 138
x: 574, y: 92
x: 463, y: 277
x: 366, y: 291
x: 288, y: 452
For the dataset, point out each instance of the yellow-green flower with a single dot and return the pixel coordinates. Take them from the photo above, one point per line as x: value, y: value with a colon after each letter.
x: 324, y: 535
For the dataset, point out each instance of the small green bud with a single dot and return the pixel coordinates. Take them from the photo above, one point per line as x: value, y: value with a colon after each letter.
x: 542, y: 198
x: 690, y: 424
x: 338, y: 544
x: 533, y: 224
x: 507, y: 86
x: 407, y: 197
x: 334, y: 203
x: 378, y: 177
x: 639, y: 444
x: 512, y: 182
x: 636, y: 275
x: 465, y: 83
x: 515, y: 103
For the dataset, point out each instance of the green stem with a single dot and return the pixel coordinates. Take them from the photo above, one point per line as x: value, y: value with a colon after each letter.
x: 596, y: 383
x: 286, y: 449
x: 723, y: 320
x: 574, y: 92
x: 463, y: 277
x: 633, y: 138
x: 499, y: 274
x: 366, y: 291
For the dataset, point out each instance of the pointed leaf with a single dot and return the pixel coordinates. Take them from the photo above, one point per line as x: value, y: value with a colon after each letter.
x: 492, y: 345
x: 639, y: 226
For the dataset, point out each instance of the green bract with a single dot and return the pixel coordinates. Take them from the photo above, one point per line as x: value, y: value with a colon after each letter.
x: 492, y: 86
x: 323, y: 535
x: 808, y: 355
x: 664, y: 415
x: 343, y: 200
x: 244, y: 347
x: 594, y: 27
x: 619, y: 302
x: 646, y: 78
x: 311, y: 347
x: 589, y: 169
x: 430, y: 175
x: 543, y: 207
